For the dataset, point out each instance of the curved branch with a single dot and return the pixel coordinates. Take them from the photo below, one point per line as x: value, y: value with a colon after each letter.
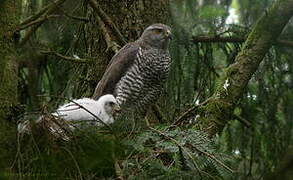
x: 218, y: 111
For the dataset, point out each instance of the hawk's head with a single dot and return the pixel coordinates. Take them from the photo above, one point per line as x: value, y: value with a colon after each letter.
x: 157, y: 36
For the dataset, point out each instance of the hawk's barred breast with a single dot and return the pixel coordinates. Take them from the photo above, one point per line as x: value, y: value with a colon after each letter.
x: 144, y: 81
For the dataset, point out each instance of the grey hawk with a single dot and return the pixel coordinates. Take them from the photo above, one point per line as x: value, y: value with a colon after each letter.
x: 137, y: 73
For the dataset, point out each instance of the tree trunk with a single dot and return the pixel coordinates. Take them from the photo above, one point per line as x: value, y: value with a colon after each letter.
x: 9, y: 15
x: 216, y: 112
x: 8, y: 72
x: 112, y: 24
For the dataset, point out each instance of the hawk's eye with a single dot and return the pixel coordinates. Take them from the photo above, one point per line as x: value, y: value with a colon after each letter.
x: 158, y: 31
x: 111, y: 103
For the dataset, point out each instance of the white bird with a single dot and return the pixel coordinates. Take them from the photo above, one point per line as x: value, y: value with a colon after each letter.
x: 94, y: 112
x: 86, y: 109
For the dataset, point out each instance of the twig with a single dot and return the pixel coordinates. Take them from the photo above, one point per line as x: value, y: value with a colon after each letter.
x: 183, y: 115
x: 40, y: 20
x: 97, y: 118
x: 243, y: 120
x: 67, y: 58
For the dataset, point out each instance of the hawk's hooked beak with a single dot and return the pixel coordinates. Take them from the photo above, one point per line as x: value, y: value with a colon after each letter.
x: 168, y: 34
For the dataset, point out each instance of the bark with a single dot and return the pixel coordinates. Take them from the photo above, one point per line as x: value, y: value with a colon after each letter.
x: 9, y: 15
x: 112, y: 24
x: 219, y: 108
x: 8, y: 71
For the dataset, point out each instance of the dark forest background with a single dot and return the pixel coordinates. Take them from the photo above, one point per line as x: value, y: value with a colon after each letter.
x: 55, y: 50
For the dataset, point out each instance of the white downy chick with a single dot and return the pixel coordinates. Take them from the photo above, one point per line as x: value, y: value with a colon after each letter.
x: 86, y: 109
x: 81, y: 110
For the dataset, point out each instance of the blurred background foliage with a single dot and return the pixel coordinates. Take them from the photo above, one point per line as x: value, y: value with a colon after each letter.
x: 252, y: 144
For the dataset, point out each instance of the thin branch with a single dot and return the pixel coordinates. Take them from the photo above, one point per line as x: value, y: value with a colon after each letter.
x: 42, y: 11
x: 243, y: 120
x: 190, y: 110
x: 96, y: 117
x: 216, y: 39
x: 232, y: 39
x: 67, y: 58
x: 41, y: 20
x: 28, y: 34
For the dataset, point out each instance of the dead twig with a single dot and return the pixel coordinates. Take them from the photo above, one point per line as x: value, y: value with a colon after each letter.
x: 67, y: 58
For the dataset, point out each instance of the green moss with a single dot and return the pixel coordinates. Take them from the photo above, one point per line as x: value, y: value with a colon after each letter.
x: 214, y: 114
x: 8, y: 72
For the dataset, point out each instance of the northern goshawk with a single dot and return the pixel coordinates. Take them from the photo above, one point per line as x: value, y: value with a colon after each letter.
x: 137, y: 73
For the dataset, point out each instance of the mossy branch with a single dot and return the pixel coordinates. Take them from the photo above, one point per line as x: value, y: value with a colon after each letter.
x: 231, y: 86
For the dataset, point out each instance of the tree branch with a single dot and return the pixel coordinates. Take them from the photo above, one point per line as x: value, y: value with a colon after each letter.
x: 217, y: 39
x: 66, y: 58
x: 232, y: 39
x: 45, y: 10
x: 111, y: 44
x: 37, y: 21
x: 107, y: 26
x: 44, y: 13
x: 219, y: 109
